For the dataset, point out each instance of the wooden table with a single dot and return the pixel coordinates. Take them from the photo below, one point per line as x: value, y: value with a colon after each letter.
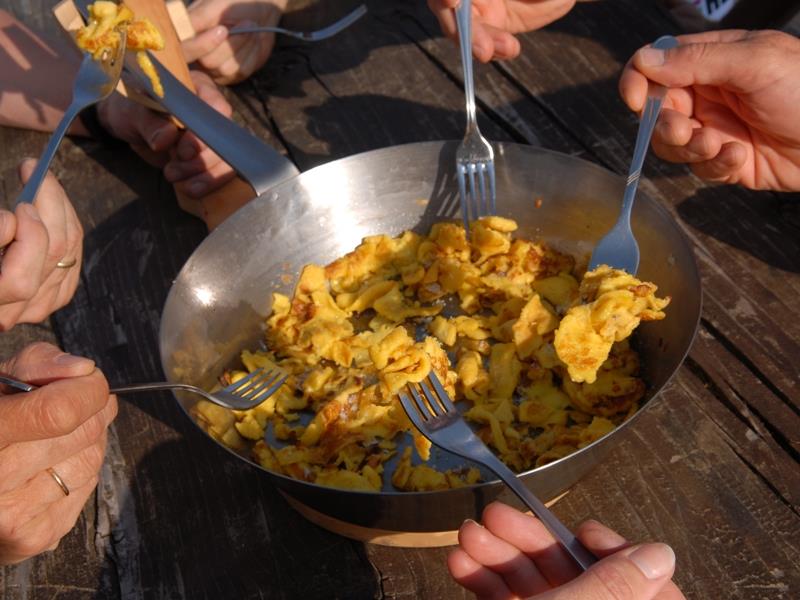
x: 711, y: 469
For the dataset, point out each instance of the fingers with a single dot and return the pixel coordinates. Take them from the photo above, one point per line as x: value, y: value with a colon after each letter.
x: 678, y: 138
x: 24, y: 259
x: 478, y: 579
x: 21, y: 461
x: 149, y: 133
x: 209, y: 180
x: 635, y: 573
x: 503, y: 558
x: 530, y: 536
x: 55, y: 409
x: 203, y: 43
x: 19, y: 542
x: 8, y: 227
x: 208, y: 91
x: 443, y: 9
x: 712, y: 58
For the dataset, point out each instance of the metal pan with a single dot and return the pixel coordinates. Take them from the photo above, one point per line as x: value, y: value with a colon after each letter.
x: 218, y: 302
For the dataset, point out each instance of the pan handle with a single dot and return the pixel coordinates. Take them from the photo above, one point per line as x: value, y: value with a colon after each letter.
x: 258, y: 163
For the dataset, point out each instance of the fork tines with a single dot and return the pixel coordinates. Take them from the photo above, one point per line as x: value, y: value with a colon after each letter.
x: 477, y: 198
x: 259, y: 385
x: 433, y: 403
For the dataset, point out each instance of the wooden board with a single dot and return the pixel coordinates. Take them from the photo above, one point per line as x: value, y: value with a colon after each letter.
x: 711, y: 468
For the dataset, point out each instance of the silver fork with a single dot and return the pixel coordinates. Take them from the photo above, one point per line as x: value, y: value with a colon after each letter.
x: 474, y: 155
x: 95, y: 81
x: 308, y: 36
x: 247, y: 393
x: 618, y: 248
x: 435, y: 416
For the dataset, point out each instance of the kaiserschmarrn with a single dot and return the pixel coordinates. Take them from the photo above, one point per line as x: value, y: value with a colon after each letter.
x: 102, y: 34
x: 537, y: 353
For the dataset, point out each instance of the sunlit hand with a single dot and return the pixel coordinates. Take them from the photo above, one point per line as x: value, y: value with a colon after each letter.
x: 494, y: 22
x: 231, y: 59
x: 513, y: 556
x: 193, y: 167
x: 187, y: 161
x: 36, y: 237
x: 60, y: 426
x: 731, y: 112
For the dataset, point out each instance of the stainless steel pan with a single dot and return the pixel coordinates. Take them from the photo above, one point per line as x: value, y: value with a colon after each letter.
x: 218, y: 302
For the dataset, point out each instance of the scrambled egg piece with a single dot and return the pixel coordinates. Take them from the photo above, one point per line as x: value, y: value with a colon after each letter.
x: 538, y: 354
x: 613, y: 303
x: 102, y: 33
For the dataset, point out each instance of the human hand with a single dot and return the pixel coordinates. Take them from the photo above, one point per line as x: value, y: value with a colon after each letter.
x: 494, y: 23
x: 187, y: 161
x: 730, y: 111
x: 193, y: 168
x: 231, y: 59
x: 60, y: 426
x: 513, y: 556
x: 36, y: 237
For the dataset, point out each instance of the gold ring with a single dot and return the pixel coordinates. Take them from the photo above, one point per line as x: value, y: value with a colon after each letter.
x: 57, y: 478
x: 67, y: 263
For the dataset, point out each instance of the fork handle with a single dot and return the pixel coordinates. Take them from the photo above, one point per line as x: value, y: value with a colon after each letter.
x: 31, y: 188
x: 152, y: 387
x: 464, y: 24
x: 655, y: 100
x: 571, y: 544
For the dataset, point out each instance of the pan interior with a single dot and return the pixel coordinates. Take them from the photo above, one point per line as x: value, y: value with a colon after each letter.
x: 218, y: 303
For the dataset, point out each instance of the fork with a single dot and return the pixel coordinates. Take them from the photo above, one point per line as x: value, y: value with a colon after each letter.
x: 618, y: 248
x: 474, y: 155
x: 95, y: 81
x: 435, y: 416
x: 247, y: 393
x: 308, y: 36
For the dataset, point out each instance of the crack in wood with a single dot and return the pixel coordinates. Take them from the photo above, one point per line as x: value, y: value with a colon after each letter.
x: 764, y: 479
x: 745, y: 360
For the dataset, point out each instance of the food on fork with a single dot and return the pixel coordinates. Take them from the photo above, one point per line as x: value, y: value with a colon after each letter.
x: 483, y: 313
x: 613, y: 303
x: 101, y: 34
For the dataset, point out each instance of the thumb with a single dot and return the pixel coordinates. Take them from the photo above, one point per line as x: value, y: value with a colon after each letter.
x: 705, y: 62
x: 635, y: 573
x: 41, y: 362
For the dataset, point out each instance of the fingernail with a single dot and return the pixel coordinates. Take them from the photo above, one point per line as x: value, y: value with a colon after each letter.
x: 186, y: 151
x: 654, y: 560
x: 154, y: 138
x: 473, y: 522
x: 170, y: 172
x: 70, y: 360
x: 220, y: 32
x: 651, y: 57
x: 197, y: 189
x: 30, y: 210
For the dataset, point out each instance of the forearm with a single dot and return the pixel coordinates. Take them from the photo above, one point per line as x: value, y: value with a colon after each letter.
x: 38, y: 74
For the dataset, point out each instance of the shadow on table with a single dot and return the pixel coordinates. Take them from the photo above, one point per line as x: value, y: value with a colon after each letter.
x: 762, y: 224
x: 192, y: 523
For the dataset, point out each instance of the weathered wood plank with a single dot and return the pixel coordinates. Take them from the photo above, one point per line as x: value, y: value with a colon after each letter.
x: 708, y: 468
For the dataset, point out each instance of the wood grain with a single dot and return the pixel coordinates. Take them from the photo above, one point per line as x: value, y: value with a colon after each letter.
x: 710, y: 468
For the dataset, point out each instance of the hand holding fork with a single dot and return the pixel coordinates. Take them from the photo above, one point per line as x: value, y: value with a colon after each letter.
x: 95, y: 81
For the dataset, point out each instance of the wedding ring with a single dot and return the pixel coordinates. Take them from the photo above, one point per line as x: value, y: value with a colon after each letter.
x: 57, y: 478
x: 66, y: 263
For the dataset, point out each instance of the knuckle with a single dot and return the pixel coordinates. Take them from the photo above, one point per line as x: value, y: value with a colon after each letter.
x: 611, y: 578
x: 59, y: 417
x: 93, y: 429
x: 21, y: 289
x: 92, y: 459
